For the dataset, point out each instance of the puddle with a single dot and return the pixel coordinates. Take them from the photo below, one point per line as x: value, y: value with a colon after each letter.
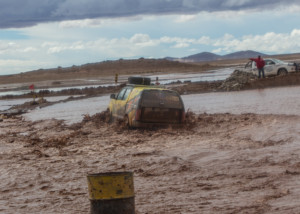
x: 72, y: 111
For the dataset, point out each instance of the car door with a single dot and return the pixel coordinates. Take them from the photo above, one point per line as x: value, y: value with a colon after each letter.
x: 115, y: 102
x: 254, y: 68
x: 269, y: 67
x: 248, y: 66
x: 121, y: 101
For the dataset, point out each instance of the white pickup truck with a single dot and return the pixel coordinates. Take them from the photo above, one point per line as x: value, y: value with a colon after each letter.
x: 272, y: 67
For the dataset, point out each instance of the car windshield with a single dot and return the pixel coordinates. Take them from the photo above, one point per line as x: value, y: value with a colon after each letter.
x: 159, y: 98
x: 277, y: 61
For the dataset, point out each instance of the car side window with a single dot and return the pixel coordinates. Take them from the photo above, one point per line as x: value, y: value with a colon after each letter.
x: 121, y: 94
x: 269, y: 62
x: 124, y: 93
x: 127, y: 93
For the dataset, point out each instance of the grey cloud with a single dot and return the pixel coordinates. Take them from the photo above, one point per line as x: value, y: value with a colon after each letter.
x: 22, y: 13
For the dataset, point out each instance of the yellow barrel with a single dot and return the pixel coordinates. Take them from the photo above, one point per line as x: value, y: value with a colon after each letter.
x: 111, y: 193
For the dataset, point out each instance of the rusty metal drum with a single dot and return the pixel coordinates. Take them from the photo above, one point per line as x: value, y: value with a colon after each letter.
x: 111, y: 193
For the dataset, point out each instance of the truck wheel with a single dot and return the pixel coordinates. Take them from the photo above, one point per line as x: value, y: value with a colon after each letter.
x: 282, y: 72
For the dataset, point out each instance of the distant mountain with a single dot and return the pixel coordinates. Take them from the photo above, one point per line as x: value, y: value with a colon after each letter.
x: 207, y: 56
x: 243, y: 54
x: 204, y: 56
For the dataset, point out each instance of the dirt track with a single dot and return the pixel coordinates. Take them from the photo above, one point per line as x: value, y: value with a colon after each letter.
x: 218, y: 163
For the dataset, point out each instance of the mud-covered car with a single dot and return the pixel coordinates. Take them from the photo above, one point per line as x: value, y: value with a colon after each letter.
x: 145, y: 105
x: 272, y: 67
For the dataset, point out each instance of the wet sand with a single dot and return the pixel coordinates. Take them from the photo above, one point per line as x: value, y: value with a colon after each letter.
x: 218, y: 163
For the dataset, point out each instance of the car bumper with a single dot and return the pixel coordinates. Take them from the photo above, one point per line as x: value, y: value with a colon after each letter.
x: 139, y: 124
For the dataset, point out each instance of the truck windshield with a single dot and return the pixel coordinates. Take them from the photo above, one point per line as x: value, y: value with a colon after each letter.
x: 277, y: 61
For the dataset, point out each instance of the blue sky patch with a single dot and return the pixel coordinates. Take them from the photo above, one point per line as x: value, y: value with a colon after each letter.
x: 12, y: 35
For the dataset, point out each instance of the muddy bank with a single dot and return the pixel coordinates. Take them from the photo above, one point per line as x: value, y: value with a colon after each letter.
x: 36, y: 102
x: 87, y: 91
x: 218, y: 163
x: 238, y: 81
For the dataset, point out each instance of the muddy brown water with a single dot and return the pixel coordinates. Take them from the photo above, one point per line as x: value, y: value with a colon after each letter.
x: 223, y: 163
x: 220, y: 163
x: 283, y: 100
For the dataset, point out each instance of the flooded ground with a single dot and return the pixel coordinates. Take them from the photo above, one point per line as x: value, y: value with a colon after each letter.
x: 213, y: 75
x: 238, y: 152
x: 70, y: 112
x: 284, y: 100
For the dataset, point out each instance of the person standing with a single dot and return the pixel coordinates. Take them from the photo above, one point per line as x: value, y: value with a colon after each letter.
x: 157, y: 82
x: 260, y: 64
x: 116, y: 78
x: 297, y: 66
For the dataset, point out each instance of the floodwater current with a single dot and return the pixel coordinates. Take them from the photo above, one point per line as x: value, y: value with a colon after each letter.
x: 283, y: 100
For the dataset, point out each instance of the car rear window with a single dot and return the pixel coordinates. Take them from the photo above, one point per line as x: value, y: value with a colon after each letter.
x: 161, y: 98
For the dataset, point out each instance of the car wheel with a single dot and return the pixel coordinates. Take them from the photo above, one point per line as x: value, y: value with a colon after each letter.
x: 126, y: 122
x: 110, y: 119
x: 282, y: 72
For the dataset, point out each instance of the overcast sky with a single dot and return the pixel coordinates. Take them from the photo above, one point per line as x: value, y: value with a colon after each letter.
x: 38, y: 34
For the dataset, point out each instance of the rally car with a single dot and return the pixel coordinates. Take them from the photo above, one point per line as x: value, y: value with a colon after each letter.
x: 143, y: 105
